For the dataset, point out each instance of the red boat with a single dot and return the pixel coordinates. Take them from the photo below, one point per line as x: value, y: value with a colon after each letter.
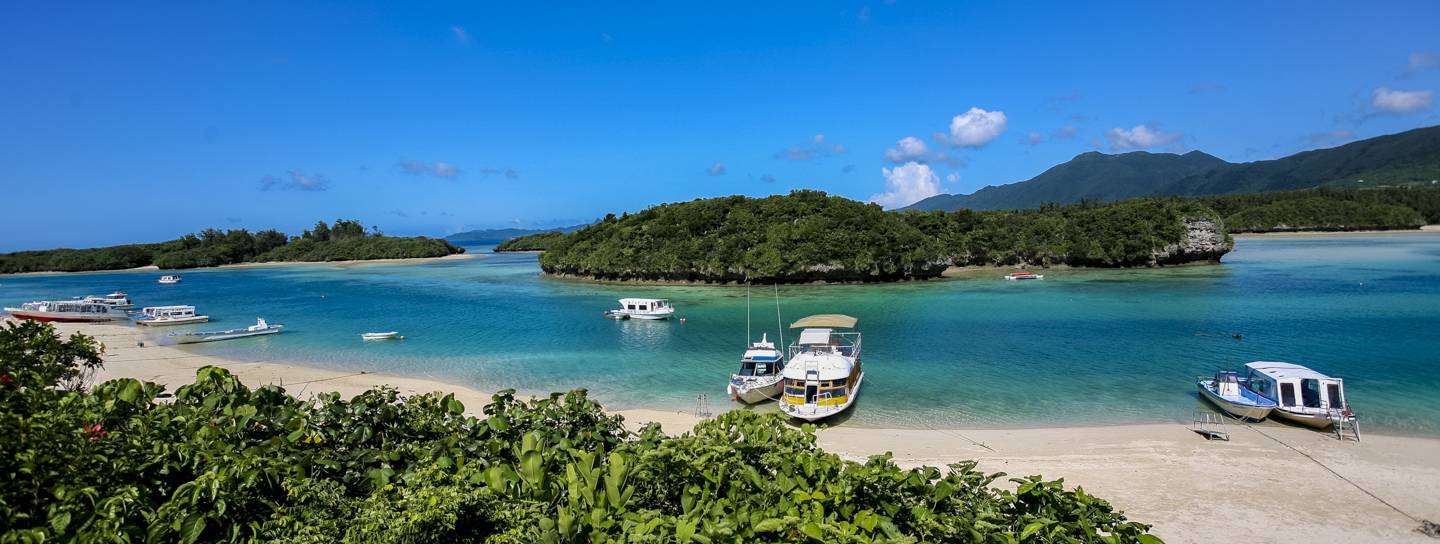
x: 67, y: 311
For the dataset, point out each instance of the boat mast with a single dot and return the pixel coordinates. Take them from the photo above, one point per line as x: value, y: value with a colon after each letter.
x: 747, y: 313
x: 779, y: 323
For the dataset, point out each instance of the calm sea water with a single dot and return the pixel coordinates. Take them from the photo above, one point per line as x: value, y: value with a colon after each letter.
x: 1082, y: 347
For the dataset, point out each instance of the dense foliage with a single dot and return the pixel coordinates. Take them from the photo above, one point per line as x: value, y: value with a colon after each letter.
x: 1410, y: 158
x: 1328, y: 209
x: 499, y: 236
x: 540, y: 241
x: 220, y: 462
x: 344, y: 240
x: 809, y: 236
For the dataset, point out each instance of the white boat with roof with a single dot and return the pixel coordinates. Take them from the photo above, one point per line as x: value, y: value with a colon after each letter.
x: 823, y: 375
x: 159, y: 316
x: 260, y: 328
x: 67, y: 311
x: 1302, y: 395
x: 169, y: 279
x: 1227, y: 392
x: 642, y: 308
x: 760, y: 376
x: 117, y: 300
x: 390, y: 335
x: 1024, y: 275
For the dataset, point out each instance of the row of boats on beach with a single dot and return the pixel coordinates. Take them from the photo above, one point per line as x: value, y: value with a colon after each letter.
x: 1284, y: 390
x: 116, y: 306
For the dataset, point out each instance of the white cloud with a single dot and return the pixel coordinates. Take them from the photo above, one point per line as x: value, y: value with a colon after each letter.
x: 439, y: 169
x: 716, y: 169
x: 298, y: 181
x: 952, y: 177
x: 1034, y: 138
x: 461, y: 36
x: 907, y: 149
x: 1140, y: 137
x: 976, y: 127
x: 906, y: 185
x: 1395, y: 101
x: 817, y: 148
x: 1421, y: 61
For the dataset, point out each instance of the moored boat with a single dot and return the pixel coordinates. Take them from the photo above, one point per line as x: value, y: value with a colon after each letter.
x: 1024, y: 275
x: 1226, y: 392
x: 158, y: 316
x: 760, y: 377
x: 391, y: 335
x: 67, y: 311
x: 642, y: 308
x: 169, y: 279
x: 1301, y: 395
x: 823, y: 375
x: 117, y: 300
x: 260, y: 328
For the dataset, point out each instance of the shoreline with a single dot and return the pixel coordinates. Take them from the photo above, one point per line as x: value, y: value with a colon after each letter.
x: 1265, y: 482
x: 1426, y: 229
x: 182, y: 271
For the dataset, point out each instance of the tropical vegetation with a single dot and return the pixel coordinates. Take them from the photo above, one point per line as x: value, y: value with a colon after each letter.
x: 811, y: 236
x: 217, y: 461
x: 539, y: 241
x: 1327, y: 209
x: 341, y: 241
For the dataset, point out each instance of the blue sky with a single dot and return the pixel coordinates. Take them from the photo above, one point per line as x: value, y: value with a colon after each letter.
x: 127, y: 123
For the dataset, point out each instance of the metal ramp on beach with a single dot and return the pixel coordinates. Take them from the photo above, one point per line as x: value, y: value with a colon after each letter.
x: 1210, y: 425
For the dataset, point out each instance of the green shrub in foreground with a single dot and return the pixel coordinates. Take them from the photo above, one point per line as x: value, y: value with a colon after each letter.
x: 217, y: 461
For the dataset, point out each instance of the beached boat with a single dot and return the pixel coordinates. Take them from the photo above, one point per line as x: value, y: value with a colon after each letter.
x: 67, y: 311
x: 169, y: 279
x: 1301, y: 395
x: 642, y: 308
x: 117, y: 300
x: 159, y: 316
x: 760, y: 376
x: 258, y: 329
x: 391, y: 335
x: 1227, y: 392
x: 1023, y: 275
x: 823, y: 375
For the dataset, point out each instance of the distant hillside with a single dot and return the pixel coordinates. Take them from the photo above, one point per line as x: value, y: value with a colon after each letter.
x: 1408, y: 158
x: 495, y: 236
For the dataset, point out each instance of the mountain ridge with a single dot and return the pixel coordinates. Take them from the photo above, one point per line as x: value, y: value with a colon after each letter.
x: 1411, y: 156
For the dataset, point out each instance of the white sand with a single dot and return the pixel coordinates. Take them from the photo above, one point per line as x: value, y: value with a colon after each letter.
x: 1252, y: 488
x: 1312, y: 234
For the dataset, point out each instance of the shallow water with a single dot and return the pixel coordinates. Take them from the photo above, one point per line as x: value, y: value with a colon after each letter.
x: 1080, y: 347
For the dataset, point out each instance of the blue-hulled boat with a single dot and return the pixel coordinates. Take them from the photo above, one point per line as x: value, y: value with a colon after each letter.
x: 1226, y: 392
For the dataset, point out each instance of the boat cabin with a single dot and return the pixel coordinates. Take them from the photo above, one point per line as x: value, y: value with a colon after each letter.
x: 644, y: 304
x: 68, y: 307
x: 168, y: 312
x: 1292, y: 386
x: 761, y: 359
x: 824, y: 365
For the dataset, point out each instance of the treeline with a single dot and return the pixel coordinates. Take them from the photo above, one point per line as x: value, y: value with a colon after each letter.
x: 216, y: 461
x: 811, y: 236
x: 539, y: 241
x: 342, y: 240
x: 1328, y: 209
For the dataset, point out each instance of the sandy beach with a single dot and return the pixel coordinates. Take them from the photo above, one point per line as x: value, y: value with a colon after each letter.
x: 1269, y: 483
x: 1429, y: 229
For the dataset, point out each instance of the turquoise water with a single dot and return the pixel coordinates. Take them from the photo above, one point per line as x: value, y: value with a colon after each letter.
x: 1081, y: 347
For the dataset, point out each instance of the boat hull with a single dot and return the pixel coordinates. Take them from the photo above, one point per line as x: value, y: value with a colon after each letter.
x: 813, y: 412
x: 216, y: 337
x: 176, y: 321
x: 1240, y: 410
x: 1314, y: 421
x: 58, y: 317
x: 751, y: 394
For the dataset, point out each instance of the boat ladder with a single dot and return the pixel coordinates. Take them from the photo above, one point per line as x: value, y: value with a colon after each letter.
x: 1210, y: 425
x: 702, y: 406
x: 1344, y: 424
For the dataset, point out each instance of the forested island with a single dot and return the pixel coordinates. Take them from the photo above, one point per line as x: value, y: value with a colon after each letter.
x: 1324, y: 209
x: 811, y: 236
x: 217, y: 461
x: 345, y: 240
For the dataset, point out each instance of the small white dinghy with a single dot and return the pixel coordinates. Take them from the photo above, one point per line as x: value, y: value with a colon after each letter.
x: 392, y: 335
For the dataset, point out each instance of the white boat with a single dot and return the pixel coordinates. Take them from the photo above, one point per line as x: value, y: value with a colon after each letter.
x: 67, y: 311
x: 258, y: 329
x: 1301, y: 395
x: 115, y: 300
x: 169, y: 279
x: 642, y: 308
x: 1227, y: 392
x: 760, y: 377
x: 823, y: 375
x: 159, y: 316
x: 1024, y: 275
x: 392, y: 335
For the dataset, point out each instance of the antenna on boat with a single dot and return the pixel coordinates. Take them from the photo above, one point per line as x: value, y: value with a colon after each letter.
x: 778, y: 322
x: 747, y: 313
